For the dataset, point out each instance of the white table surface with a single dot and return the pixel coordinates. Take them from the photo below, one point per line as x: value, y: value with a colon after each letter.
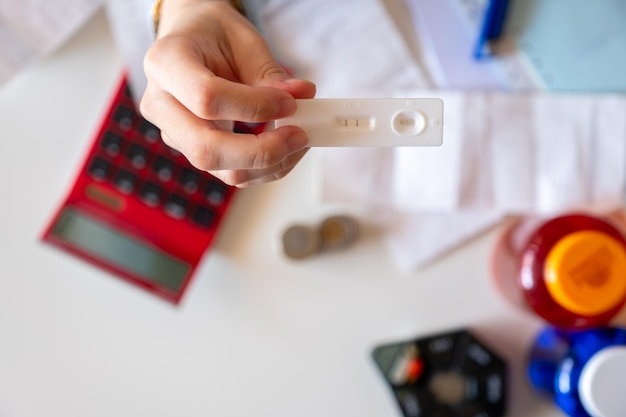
x: 255, y: 334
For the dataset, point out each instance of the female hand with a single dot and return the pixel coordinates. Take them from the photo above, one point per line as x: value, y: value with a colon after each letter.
x: 209, y: 67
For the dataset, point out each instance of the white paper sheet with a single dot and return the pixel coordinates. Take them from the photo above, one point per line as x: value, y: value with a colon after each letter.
x: 509, y: 116
x: 427, y: 179
x: 417, y: 239
x: 610, y: 122
x: 475, y: 176
x: 32, y: 29
x: 538, y: 153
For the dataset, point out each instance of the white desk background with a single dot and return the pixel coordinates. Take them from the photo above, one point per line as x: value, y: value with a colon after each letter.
x: 255, y: 335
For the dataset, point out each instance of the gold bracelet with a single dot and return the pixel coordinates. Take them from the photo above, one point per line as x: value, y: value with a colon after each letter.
x: 156, y: 16
x: 156, y: 13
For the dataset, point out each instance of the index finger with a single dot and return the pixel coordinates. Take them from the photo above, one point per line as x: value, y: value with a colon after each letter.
x: 210, y: 149
x: 207, y: 95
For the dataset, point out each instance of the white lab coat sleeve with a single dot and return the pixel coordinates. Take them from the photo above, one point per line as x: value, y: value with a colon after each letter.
x: 132, y: 30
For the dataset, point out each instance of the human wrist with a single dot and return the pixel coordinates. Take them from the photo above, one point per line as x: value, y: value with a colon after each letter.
x: 165, y: 9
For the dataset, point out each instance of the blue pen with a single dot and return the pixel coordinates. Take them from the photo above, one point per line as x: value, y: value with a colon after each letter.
x: 492, y: 27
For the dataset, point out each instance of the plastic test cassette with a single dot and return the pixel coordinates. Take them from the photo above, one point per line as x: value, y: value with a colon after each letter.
x: 369, y: 122
x: 137, y: 208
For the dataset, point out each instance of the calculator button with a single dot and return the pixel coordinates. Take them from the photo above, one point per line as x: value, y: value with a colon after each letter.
x: 125, y: 181
x: 99, y: 169
x: 176, y: 206
x: 190, y: 180
x: 203, y: 217
x: 164, y: 168
x: 112, y: 143
x: 138, y: 156
x: 215, y: 192
x: 149, y: 131
x: 151, y: 194
x: 124, y: 117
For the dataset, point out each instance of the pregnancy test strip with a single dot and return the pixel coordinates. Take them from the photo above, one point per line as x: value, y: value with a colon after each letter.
x: 369, y: 122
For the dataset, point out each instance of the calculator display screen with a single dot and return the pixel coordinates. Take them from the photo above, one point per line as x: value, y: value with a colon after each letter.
x: 111, y: 246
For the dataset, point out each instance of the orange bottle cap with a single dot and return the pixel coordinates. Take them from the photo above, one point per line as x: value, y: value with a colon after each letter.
x: 585, y: 272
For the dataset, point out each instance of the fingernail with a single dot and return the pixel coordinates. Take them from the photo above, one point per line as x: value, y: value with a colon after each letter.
x: 294, y: 80
x: 286, y: 106
x: 296, y: 142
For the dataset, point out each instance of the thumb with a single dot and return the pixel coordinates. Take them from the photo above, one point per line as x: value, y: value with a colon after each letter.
x: 261, y: 69
x: 297, y: 87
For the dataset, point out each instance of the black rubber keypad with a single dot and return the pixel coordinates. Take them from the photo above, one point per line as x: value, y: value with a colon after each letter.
x: 134, y: 160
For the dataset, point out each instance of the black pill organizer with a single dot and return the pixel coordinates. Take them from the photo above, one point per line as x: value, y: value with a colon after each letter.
x: 450, y: 374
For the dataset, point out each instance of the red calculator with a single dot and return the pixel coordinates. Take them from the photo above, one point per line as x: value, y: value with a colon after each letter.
x: 138, y: 208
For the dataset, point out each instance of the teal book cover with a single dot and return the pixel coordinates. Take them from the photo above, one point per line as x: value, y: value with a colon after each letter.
x: 571, y: 45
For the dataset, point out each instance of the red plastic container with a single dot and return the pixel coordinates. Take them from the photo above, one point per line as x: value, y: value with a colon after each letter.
x: 570, y: 270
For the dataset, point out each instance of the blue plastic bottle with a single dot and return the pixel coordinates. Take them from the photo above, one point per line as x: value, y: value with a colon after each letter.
x: 584, y: 372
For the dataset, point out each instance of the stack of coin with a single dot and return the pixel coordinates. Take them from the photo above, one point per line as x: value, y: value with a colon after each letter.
x: 333, y: 233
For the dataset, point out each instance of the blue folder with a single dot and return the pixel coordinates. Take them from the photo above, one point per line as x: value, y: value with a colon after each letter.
x: 570, y: 45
